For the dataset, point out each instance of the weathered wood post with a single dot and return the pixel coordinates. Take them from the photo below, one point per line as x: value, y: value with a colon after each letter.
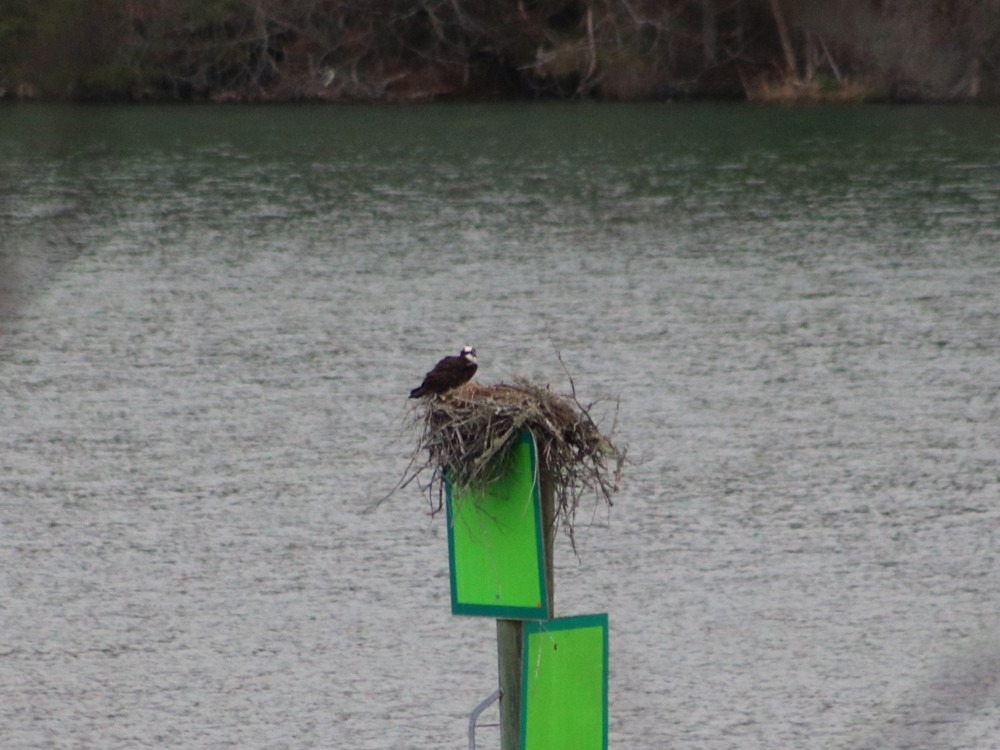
x: 510, y: 633
x: 510, y: 640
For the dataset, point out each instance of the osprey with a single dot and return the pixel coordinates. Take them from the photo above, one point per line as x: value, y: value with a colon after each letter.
x: 449, y: 373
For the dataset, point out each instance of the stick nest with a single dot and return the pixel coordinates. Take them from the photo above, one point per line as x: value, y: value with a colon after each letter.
x: 466, y: 434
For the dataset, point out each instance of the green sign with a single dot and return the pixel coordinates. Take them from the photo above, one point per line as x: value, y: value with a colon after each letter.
x: 564, y: 684
x: 495, y: 542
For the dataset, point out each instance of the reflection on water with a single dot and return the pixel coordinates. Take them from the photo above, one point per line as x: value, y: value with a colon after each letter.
x: 212, y: 317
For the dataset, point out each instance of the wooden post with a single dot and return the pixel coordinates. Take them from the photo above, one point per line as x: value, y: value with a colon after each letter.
x: 510, y: 642
x: 547, y: 498
x: 510, y: 633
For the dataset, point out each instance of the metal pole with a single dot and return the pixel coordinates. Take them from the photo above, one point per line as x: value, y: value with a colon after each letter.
x: 475, y: 716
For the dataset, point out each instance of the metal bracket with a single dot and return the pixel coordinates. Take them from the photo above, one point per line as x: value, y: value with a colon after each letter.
x: 474, y: 717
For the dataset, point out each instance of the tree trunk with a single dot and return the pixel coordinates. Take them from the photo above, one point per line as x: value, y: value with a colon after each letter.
x: 786, y: 39
x: 709, y: 31
x: 810, y: 56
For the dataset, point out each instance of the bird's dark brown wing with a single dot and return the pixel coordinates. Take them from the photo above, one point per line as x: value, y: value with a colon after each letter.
x: 449, y: 373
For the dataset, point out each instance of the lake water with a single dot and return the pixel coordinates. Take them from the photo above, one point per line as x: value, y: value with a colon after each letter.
x: 211, y: 317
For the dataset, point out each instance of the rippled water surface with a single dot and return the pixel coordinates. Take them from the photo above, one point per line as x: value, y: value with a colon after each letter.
x: 211, y: 318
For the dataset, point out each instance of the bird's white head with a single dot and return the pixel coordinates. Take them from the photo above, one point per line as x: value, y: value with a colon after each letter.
x: 468, y: 353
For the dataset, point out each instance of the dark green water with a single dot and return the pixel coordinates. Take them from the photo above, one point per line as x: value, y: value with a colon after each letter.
x: 211, y: 317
